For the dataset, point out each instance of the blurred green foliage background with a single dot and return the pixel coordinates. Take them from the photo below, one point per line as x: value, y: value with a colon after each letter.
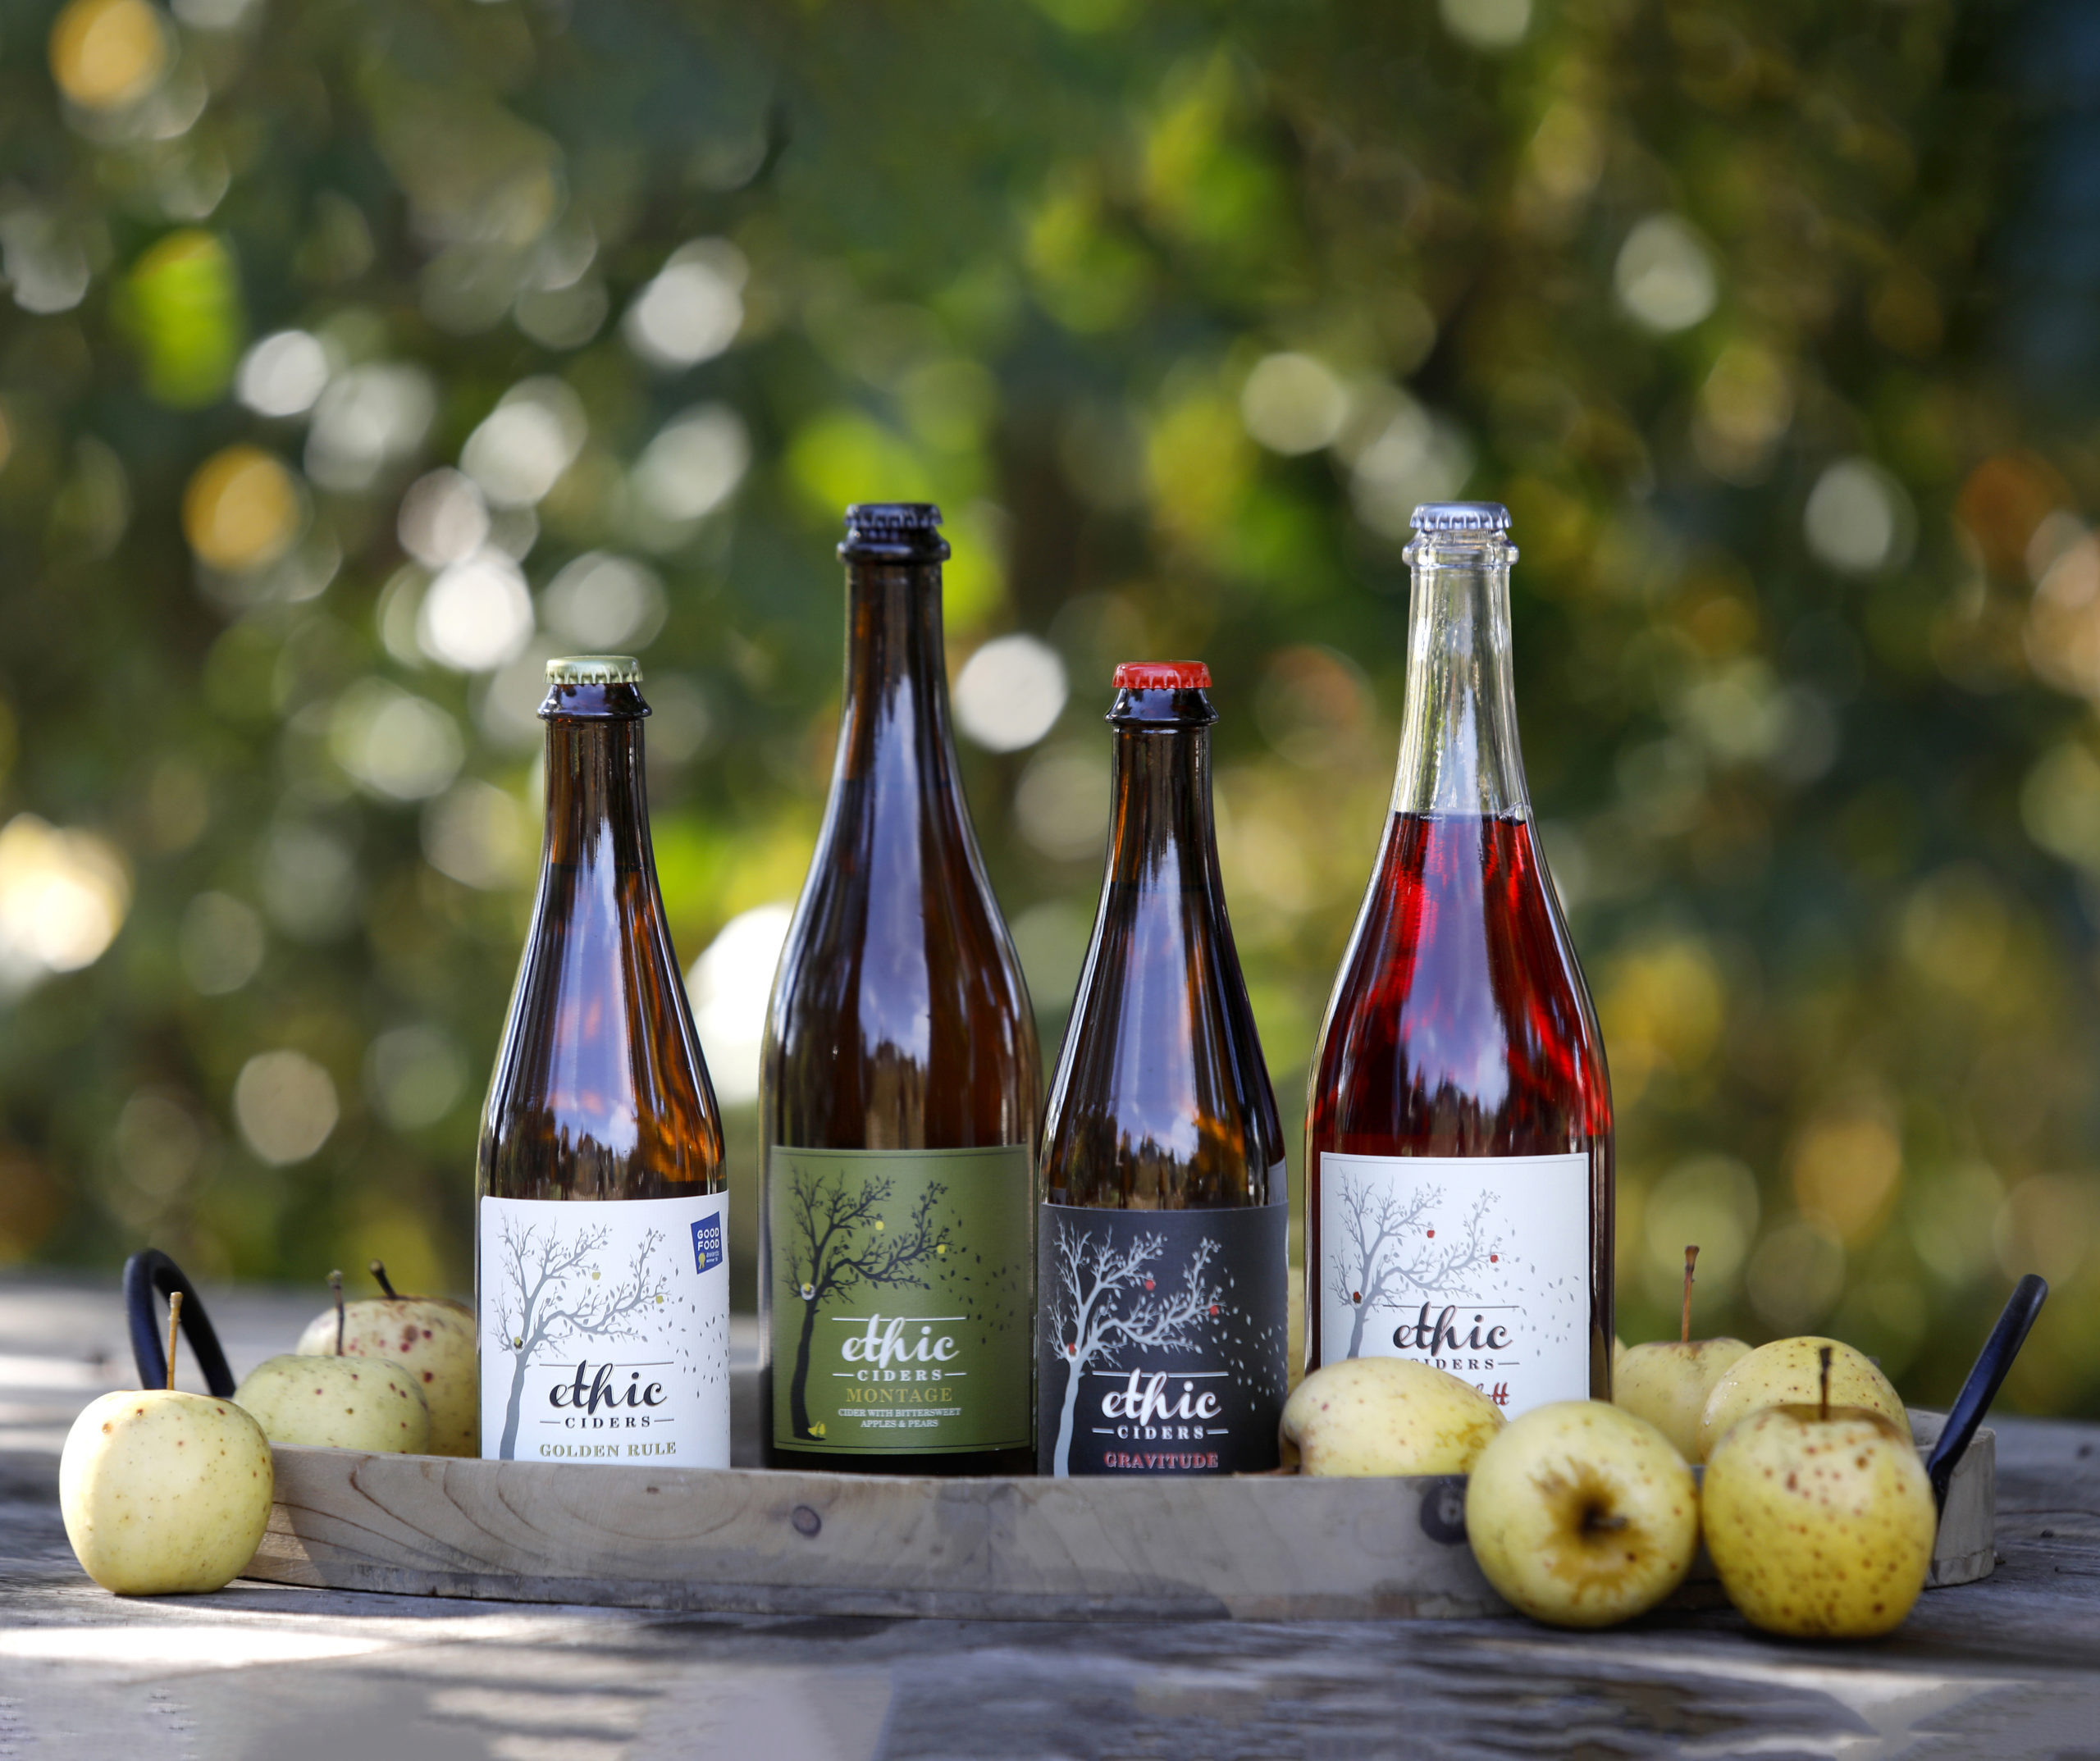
x: 357, y: 354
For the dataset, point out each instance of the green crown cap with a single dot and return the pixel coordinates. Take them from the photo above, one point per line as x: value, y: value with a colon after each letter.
x: 595, y: 669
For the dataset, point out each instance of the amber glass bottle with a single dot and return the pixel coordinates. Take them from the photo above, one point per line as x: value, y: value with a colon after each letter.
x: 1459, y: 1135
x: 602, y: 1284
x: 902, y: 1085
x: 1163, y: 1315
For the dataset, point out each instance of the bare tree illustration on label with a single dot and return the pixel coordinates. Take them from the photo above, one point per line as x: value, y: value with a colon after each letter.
x: 1160, y: 1347
x: 1387, y: 1256
x: 616, y: 1350
x: 1423, y: 1258
x: 833, y: 1240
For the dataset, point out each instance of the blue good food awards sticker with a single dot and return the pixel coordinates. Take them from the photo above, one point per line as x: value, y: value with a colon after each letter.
x: 707, y: 1242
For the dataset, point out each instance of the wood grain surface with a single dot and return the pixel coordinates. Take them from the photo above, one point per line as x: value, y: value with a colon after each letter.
x: 746, y: 1541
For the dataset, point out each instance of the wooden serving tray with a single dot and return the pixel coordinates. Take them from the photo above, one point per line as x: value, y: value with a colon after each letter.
x: 742, y: 1541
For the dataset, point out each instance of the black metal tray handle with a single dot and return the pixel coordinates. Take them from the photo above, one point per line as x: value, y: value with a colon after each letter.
x: 152, y: 1272
x: 1984, y: 1380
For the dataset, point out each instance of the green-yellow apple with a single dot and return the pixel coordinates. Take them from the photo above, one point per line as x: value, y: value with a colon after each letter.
x: 1582, y: 1515
x: 430, y: 1338
x: 164, y: 1491
x: 1785, y: 1373
x: 337, y: 1402
x: 1819, y: 1520
x: 1669, y: 1382
x: 1385, y: 1415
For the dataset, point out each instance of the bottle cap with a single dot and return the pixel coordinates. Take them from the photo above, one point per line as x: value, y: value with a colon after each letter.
x: 891, y: 521
x: 897, y: 532
x: 1162, y: 675
x: 595, y: 669
x: 1462, y: 516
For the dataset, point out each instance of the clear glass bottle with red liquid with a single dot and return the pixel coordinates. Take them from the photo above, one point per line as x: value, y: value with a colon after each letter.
x: 602, y: 1284
x: 901, y: 1082
x: 1458, y: 1128
x: 1162, y: 1272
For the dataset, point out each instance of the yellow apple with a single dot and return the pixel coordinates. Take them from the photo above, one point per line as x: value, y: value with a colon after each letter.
x: 1820, y: 1520
x: 164, y: 1491
x: 1385, y: 1415
x: 1787, y: 1373
x: 1668, y: 1382
x: 336, y: 1402
x: 1582, y: 1515
x: 430, y: 1338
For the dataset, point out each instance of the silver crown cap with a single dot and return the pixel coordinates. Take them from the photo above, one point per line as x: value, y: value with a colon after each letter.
x: 1462, y: 516
x: 594, y: 669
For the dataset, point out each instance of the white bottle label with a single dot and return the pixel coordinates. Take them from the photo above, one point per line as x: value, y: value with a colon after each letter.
x: 1479, y: 1264
x: 605, y: 1330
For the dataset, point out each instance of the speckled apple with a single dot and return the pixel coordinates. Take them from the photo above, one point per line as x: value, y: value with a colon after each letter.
x: 431, y: 1338
x: 1819, y: 1528
x: 1788, y: 1372
x: 164, y: 1493
x: 1668, y: 1382
x: 1582, y: 1514
x: 337, y: 1404
x: 1368, y: 1416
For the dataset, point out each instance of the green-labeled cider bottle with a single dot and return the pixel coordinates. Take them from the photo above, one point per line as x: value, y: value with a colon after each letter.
x: 901, y: 1087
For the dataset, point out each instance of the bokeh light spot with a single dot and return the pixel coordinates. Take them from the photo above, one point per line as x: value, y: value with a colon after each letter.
x: 63, y: 895
x: 477, y: 834
x: 694, y: 464
x: 605, y: 604
x: 476, y: 614
x: 243, y: 510
x: 1663, y: 278
x: 529, y: 440
x: 221, y: 943
x: 284, y: 1104
x: 1011, y: 693
x: 284, y: 374
x: 1293, y: 404
x: 1854, y: 520
x: 397, y: 745
x: 416, y: 1075
x: 694, y: 308
x: 1487, y: 24
x: 443, y: 519
x: 731, y: 985
x: 106, y: 54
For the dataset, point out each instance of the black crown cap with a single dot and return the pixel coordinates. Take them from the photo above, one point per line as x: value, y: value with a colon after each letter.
x: 894, y: 531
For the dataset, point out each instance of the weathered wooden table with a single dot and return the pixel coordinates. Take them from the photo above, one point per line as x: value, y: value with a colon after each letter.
x: 2009, y: 1667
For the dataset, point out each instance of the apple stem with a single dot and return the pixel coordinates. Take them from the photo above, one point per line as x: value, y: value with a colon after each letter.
x: 379, y: 1271
x: 335, y: 1285
x: 1823, y: 1352
x: 1690, y: 1260
x: 174, y: 1323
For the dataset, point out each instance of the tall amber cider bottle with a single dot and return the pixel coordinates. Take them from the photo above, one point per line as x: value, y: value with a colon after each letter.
x: 1163, y: 1318
x: 600, y: 1282
x: 1458, y: 1131
x: 901, y: 1083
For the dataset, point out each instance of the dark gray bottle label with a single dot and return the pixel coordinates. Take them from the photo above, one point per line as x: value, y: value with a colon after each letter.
x: 1161, y: 1340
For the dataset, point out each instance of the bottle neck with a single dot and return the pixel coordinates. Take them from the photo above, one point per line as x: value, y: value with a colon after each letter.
x: 896, y: 708
x: 597, y: 802
x: 1458, y: 749
x: 1161, y: 835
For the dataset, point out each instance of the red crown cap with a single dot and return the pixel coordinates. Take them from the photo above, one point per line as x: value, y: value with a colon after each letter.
x: 1162, y: 675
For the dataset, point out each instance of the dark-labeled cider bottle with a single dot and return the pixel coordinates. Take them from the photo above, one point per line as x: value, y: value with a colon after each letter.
x: 1162, y: 1281
x: 601, y: 1284
x: 901, y: 1083
x: 1458, y: 1130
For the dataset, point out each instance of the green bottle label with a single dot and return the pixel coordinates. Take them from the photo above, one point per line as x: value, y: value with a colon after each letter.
x: 903, y: 1299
